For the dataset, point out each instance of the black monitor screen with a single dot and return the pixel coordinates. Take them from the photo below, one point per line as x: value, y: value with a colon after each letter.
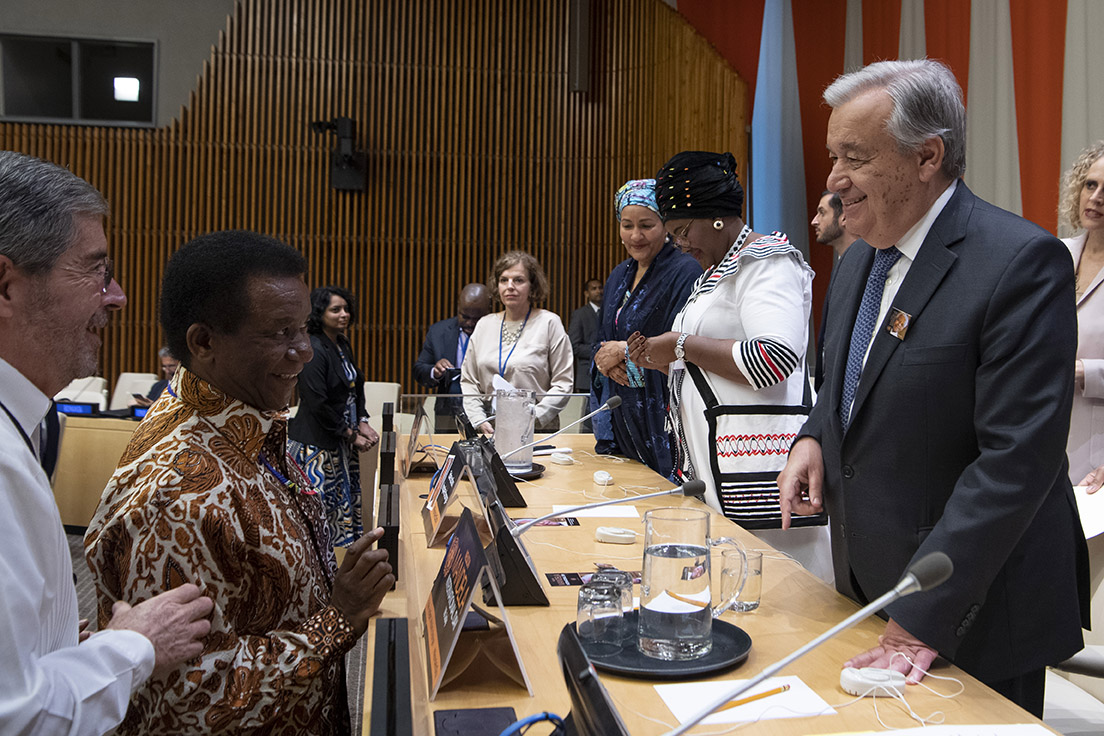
x: 592, y: 711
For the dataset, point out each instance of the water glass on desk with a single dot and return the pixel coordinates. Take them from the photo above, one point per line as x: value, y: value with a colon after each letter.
x: 744, y: 597
x: 599, y: 618
x: 621, y: 580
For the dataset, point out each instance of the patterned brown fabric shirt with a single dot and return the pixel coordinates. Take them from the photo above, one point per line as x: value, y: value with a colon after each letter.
x: 198, y: 497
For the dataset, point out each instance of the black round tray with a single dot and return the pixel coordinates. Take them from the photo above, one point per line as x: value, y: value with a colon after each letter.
x: 532, y: 474
x: 731, y: 645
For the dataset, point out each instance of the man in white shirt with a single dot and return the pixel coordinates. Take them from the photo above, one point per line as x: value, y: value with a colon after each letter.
x: 57, y: 292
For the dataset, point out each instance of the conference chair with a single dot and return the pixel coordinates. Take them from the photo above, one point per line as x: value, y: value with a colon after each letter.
x: 376, y: 393
x: 129, y: 384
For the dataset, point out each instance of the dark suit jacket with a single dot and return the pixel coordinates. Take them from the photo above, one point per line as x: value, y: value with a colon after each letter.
x: 957, y: 442
x: 583, y: 331
x: 440, y: 342
x: 323, y: 391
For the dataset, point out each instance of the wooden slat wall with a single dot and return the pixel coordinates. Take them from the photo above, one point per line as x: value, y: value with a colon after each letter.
x: 474, y: 147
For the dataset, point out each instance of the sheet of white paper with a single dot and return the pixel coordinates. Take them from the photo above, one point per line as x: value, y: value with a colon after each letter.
x: 1091, y: 509
x: 686, y: 699
x: 973, y: 729
x: 606, y: 512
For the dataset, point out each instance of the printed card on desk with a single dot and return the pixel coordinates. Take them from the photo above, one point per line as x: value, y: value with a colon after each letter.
x: 463, y: 572
x: 996, y: 729
x: 685, y: 699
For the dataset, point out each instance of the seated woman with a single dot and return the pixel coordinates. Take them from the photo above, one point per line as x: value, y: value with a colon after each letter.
x: 643, y: 294
x: 524, y: 344
x: 330, y: 428
x: 738, y: 344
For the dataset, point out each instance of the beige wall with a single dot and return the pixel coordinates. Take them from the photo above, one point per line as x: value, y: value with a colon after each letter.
x: 185, y: 31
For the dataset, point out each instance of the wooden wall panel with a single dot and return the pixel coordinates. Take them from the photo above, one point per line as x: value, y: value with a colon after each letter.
x: 474, y: 146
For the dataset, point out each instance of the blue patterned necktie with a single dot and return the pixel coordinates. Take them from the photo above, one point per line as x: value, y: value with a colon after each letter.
x: 864, y: 327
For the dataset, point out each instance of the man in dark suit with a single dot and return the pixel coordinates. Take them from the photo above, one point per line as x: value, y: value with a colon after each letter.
x: 949, y: 338
x: 831, y: 231
x: 583, y: 332
x: 446, y: 343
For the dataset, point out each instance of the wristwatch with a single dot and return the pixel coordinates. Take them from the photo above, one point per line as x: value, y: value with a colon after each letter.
x: 680, y: 346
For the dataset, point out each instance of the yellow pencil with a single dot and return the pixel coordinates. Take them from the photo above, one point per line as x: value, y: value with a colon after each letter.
x: 751, y: 698
x: 684, y: 599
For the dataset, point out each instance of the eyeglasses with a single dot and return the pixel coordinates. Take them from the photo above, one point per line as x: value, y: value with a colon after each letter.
x: 108, y: 274
x: 680, y: 235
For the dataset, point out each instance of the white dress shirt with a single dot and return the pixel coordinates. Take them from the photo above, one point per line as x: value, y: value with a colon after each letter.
x: 909, y: 246
x: 49, y: 684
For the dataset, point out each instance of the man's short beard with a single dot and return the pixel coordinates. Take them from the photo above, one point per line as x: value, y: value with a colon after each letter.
x: 830, y: 234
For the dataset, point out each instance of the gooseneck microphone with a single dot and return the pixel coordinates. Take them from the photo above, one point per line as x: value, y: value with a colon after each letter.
x: 926, y: 573
x: 611, y: 403
x: 693, y: 488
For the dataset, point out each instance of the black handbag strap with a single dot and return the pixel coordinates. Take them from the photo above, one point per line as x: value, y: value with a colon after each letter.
x: 710, y: 398
x: 702, y: 385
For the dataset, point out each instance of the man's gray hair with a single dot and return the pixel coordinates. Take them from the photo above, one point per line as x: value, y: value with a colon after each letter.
x: 39, y: 202
x: 927, y: 102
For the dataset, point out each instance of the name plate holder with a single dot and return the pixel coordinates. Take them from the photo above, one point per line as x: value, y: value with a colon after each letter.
x: 444, y: 491
x: 450, y: 649
x: 508, y: 492
x: 418, y: 457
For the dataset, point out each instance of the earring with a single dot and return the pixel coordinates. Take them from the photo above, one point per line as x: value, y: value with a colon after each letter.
x: 718, y: 224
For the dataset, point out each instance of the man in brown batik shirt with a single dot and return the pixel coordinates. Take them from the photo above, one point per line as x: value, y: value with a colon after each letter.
x: 206, y: 493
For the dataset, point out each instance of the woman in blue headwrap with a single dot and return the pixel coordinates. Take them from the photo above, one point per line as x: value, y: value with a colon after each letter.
x: 643, y: 294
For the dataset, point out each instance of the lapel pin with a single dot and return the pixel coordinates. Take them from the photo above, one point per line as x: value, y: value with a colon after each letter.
x: 898, y: 323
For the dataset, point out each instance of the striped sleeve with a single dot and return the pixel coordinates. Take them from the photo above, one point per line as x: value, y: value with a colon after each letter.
x: 764, y: 361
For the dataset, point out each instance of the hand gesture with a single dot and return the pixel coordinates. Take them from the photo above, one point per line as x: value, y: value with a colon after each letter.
x: 440, y: 368
x: 894, y: 643
x: 366, y: 437
x: 175, y: 622
x: 1093, y: 480
x: 801, y: 482
x: 362, y: 581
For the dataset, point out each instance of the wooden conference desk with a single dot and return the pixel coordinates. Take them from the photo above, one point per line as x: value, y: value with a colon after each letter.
x: 796, y: 607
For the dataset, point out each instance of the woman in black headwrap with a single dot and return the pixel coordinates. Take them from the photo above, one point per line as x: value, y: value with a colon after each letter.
x: 735, y: 357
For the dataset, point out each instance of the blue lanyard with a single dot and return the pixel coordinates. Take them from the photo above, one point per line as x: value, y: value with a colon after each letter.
x: 501, y: 329
x: 465, y: 339
x: 287, y: 483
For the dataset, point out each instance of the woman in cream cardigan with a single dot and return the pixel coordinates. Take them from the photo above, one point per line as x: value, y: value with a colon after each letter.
x: 524, y: 344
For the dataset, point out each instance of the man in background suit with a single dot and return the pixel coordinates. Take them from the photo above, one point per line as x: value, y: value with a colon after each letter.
x: 831, y: 231
x: 583, y: 333
x: 446, y: 343
x: 947, y: 396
